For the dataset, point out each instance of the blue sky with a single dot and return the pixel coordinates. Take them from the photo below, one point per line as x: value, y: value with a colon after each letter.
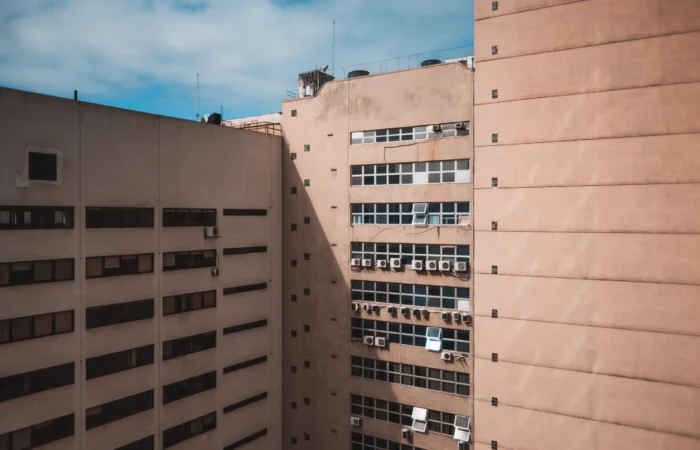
x: 145, y: 54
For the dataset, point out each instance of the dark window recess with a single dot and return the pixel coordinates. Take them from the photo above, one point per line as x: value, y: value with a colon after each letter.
x: 307, y: 291
x: 494, y: 182
x: 189, y: 344
x: 294, y: 113
x: 293, y: 440
x: 246, y: 326
x: 118, y: 409
x: 294, y: 155
x: 188, y: 387
x: 294, y: 405
x: 307, y: 182
x: 246, y: 288
x: 189, y: 429
x: 245, y: 212
x: 246, y: 402
x: 294, y: 263
x: 39, y: 434
x: 494, y: 6
x: 118, y: 265
x: 147, y: 443
x: 246, y: 440
x: 294, y: 227
x: 307, y: 401
x: 307, y: 147
x: 28, y: 383
x: 32, y: 327
x: 102, y: 316
x: 494, y: 138
x: 245, y: 364
x: 119, y: 217
x: 35, y: 217
x: 245, y: 250
x: 120, y: 361
x: 193, y: 259
x: 307, y: 328
x: 494, y: 49
x: 307, y: 220
x: 294, y: 190
x: 43, y: 166
x: 294, y: 369
x: 178, y: 217
x: 177, y: 304
x: 294, y: 333
x: 494, y: 93
x: 307, y: 364
x: 294, y: 297
x: 34, y: 272
x: 307, y: 256
x: 307, y: 437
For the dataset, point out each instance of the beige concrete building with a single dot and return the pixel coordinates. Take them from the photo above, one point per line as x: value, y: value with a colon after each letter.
x: 139, y: 280
x: 587, y: 234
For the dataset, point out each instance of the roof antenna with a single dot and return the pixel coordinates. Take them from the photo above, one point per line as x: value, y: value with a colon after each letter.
x: 197, y: 116
x: 333, y: 57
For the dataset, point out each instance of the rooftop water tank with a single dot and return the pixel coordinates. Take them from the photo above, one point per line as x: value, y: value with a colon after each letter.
x: 357, y: 73
x: 430, y: 62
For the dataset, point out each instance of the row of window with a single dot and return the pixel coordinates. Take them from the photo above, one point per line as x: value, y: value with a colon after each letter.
x: 189, y: 429
x: 410, y: 375
x: 39, y: 434
x: 408, y: 294
x: 147, y: 443
x: 31, y: 327
x: 189, y: 260
x: 246, y: 402
x: 118, y: 265
x: 102, y: 316
x: 33, y: 272
x: 120, y: 361
x: 119, y: 409
x: 246, y: 440
x: 409, y: 252
x: 367, y: 442
x: 177, y: 304
x: 190, y: 386
x: 410, y: 133
x: 15, y: 386
x: 372, y: 408
x: 429, y: 172
x: 408, y: 334
x: 445, y: 213
x: 51, y: 217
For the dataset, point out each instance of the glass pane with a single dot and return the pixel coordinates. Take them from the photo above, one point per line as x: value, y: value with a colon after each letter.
x: 43, y: 325
x: 64, y: 321
x: 145, y: 263
x: 4, y: 274
x: 63, y: 269
x: 463, y: 164
x: 22, y: 328
x: 43, y: 271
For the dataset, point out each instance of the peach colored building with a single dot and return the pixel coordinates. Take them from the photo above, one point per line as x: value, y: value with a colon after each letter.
x: 587, y: 274
x: 125, y: 322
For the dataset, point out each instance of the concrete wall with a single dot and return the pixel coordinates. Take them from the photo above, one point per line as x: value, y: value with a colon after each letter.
x: 597, y: 280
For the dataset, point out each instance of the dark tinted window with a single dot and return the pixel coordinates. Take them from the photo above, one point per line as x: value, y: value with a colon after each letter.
x: 245, y: 364
x: 189, y: 260
x: 245, y: 212
x: 180, y: 217
x: 147, y: 443
x: 39, y: 434
x: 27, y: 383
x: 245, y: 250
x: 118, y: 409
x: 246, y: 326
x: 35, y: 217
x: 98, y: 217
x: 32, y: 327
x: 190, y: 344
x: 102, y: 316
x: 191, y: 386
x: 246, y: 440
x: 246, y: 288
x: 118, y: 361
x: 34, y: 272
x: 189, y: 429
x: 246, y: 402
x: 43, y: 166
x: 176, y: 304
x: 118, y: 265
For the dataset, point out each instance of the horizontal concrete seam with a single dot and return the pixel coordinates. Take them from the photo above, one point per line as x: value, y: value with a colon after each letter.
x: 528, y: 10
x: 488, y: 444
x: 589, y: 279
x: 625, y: 377
x: 589, y: 45
x: 646, y: 86
x: 549, y: 186
x: 586, y: 325
x: 688, y: 133
x: 684, y: 435
x: 670, y: 233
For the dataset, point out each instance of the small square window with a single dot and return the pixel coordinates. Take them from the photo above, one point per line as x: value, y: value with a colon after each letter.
x: 494, y: 6
x: 294, y: 227
x: 494, y: 182
x: 494, y: 93
x: 307, y: 182
x: 294, y: 263
x: 294, y: 113
x: 307, y: 220
x: 307, y: 328
x: 307, y: 437
x: 294, y: 441
x: 307, y: 147
x: 43, y: 166
x: 294, y: 297
x: 307, y: 401
x: 307, y: 291
x: 294, y: 369
x: 307, y: 364
x: 307, y: 256
x: 293, y: 155
x: 494, y: 49
x: 294, y: 405
x: 494, y: 137
x: 294, y: 333
x: 294, y: 190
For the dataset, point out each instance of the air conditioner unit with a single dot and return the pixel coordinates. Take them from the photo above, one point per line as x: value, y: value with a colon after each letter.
x: 367, y: 307
x: 355, y: 262
x: 461, y: 126
x: 381, y: 264
x: 366, y: 263
x: 215, y: 272
x: 456, y: 316
x: 420, y: 419
x: 436, y: 128
x: 391, y: 309
x: 417, y: 264
x: 395, y: 263
x: 211, y: 232
x: 467, y: 318
x: 355, y: 421
x: 405, y: 311
x: 425, y: 312
x: 406, y: 433
x: 368, y: 340
x: 462, y: 426
x: 376, y: 308
x: 445, y: 315
x: 431, y: 265
x: 416, y: 312
x: 460, y: 266
x: 380, y: 342
x: 445, y: 266
x: 446, y: 356
x: 356, y: 306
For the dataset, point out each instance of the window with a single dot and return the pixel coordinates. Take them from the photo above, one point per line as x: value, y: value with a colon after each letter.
x: 307, y: 220
x: 404, y: 294
x: 294, y: 190
x: 294, y: 263
x: 245, y: 364
x: 177, y: 304
x: 246, y: 326
x: 43, y: 166
x: 178, y: 217
x: 193, y: 259
x: 418, y: 133
x: 307, y: 436
x: 31, y: 327
x: 307, y: 364
x: 245, y: 212
x: 35, y: 217
x: 294, y: 113
x: 118, y: 265
x: 494, y: 6
x: 34, y: 272
x: 307, y: 182
x: 189, y: 344
x: 191, y: 386
x: 110, y: 363
x: 294, y: 227
x: 387, y: 411
x: 367, y: 442
x: 245, y: 250
x: 494, y: 93
x: 189, y: 429
x: 408, y: 334
x: 28, y: 383
x: 293, y: 155
x: 307, y: 256
x: 410, y: 375
x: 294, y: 297
x: 246, y: 402
x: 445, y: 213
x: 118, y: 409
x: 429, y: 172
x: 246, y: 288
x: 118, y: 217
x: 494, y: 49
x: 307, y: 328
x: 494, y: 138
x: 307, y: 291
x: 39, y: 434
x: 240, y: 443
x: 307, y: 147
x: 102, y: 316
x: 147, y: 443
x: 408, y: 252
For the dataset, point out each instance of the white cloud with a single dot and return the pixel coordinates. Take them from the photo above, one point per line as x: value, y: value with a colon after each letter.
x: 245, y: 50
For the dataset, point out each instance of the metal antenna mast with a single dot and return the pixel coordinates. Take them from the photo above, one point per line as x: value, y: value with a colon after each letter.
x: 333, y: 57
x: 197, y: 116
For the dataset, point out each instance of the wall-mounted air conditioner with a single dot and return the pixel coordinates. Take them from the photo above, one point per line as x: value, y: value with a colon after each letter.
x: 380, y: 342
x: 460, y: 266
x: 391, y: 309
x: 431, y: 265
x: 368, y: 340
x: 445, y: 266
x: 211, y: 232
x: 355, y: 421
x: 420, y: 419
x: 366, y: 263
x: 355, y: 262
x: 445, y: 315
x: 446, y: 356
x: 395, y: 263
x: 367, y: 307
x: 405, y: 311
x: 381, y: 264
x: 417, y: 264
x: 215, y: 272
x: 462, y: 428
x: 356, y: 306
x: 456, y: 316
